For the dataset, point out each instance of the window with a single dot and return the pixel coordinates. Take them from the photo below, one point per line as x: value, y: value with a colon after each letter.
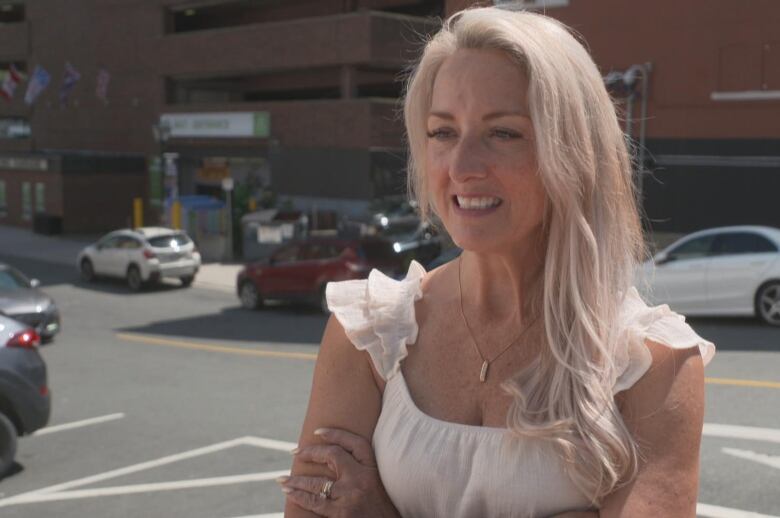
x: 2, y: 199
x: 11, y: 279
x: 287, y: 254
x: 530, y: 4
x: 319, y: 252
x: 40, y: 197
x: 693, y: 249
x: 11, y: 12
x: 128, y: 243
x: 735, y: 243
x: 170, y: 240
x: 26, y: 201
x: 109, y: 242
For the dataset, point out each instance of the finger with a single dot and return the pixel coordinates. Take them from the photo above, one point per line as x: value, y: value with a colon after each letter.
x: 357, y: 445
x: 335, y: 457
x: 311, y: 485
x: 309, y: 502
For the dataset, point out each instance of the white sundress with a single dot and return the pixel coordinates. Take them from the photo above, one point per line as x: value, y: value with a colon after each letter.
x: 438, y: 469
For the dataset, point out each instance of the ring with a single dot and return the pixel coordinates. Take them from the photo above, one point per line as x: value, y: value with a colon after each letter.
x: 327, y: 487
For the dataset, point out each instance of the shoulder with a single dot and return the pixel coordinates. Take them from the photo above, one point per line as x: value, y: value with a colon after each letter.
x: 377, y: 315
x: 647, y: 335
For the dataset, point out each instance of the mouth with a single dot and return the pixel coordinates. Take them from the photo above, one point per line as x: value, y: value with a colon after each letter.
x: 476, y: 203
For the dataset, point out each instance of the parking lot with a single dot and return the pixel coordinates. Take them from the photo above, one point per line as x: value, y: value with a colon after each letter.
x: 176, y: 402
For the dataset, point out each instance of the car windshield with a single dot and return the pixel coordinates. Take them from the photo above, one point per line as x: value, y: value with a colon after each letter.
x: 169, y: 241
x: 12, y: 280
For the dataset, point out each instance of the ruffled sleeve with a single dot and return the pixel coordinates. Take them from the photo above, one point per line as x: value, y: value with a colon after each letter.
x: 377, y: 315
x: 659, y: 324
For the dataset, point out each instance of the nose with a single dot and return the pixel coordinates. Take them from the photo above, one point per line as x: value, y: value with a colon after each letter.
x: 467, y: 160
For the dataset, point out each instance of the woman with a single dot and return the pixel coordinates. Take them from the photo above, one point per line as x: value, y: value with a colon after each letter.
x: 527, y: 378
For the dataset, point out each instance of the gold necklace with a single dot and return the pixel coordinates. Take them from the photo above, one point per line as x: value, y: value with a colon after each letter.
x: 485, y: 362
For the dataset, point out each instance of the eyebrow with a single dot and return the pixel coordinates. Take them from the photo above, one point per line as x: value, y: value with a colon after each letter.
x: 489, y: 116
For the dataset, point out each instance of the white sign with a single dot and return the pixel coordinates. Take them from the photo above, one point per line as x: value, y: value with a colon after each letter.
x: 218, y: 124
x: 227, y: 184
x: 269, y: 234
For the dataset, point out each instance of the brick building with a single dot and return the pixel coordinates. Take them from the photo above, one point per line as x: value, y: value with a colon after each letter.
x: 713, y: 103
x: 299, y: 97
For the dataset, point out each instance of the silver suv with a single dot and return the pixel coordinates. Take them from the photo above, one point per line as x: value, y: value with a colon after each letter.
x: 142, y: 255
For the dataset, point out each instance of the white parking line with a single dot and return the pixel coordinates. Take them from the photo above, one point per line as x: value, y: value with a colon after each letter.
x: 35, y: 495
x: 148, y: 488
x: 761, y: 458
x: 716, y: 511
x: 741, y: 432
x: 79, y: 424
x: 272, y: 515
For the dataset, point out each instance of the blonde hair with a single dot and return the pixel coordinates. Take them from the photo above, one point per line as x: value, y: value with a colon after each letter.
x: 592, y: 233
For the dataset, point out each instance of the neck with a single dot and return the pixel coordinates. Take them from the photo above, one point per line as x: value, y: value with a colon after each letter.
x: 495, y: 286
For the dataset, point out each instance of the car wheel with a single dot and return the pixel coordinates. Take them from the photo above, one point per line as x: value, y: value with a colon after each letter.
x: 324, y: 302
x: 250, y: 297
x: 134, y: 281
x: 7, y: 443
x: 87, y: 270
x: 768, y: 303
x: 187, y: 280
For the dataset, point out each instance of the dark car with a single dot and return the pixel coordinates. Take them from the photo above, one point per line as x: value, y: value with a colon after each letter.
x: 22, y: 300
x: 24, y: 394
x: 299, y: 271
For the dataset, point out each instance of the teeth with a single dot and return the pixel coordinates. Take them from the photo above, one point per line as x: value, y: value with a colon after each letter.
x: 477, y: 203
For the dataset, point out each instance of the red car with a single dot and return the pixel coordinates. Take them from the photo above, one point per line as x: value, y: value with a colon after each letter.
x: 299, y: 271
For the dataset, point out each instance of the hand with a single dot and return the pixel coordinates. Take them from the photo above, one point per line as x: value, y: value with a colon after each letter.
x: 356, y: 491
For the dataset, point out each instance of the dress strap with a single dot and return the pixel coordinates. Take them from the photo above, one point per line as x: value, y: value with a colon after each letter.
x: 377, y: 315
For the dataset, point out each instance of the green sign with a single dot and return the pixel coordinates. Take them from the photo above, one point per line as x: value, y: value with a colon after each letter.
x: 262, y: 126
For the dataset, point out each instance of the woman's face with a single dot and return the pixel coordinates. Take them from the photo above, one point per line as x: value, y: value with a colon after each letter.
x: 480, y: 158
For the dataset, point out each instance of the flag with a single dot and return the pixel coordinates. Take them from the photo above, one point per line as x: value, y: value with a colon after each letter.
x: 12, y: 78
x: 38, y: 82
x: 101, y: 90
x: 69, y: 80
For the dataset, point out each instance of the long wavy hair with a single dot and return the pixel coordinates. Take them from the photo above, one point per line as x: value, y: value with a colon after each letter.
x: 592, y: 229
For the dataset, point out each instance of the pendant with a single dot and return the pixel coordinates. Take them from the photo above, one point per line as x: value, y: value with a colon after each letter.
x: 483, y: 372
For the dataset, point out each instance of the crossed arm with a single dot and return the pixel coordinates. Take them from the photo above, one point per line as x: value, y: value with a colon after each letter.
x: 664, y: 411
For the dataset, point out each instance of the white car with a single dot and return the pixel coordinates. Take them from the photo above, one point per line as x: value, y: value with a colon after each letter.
x: 731, y: 271
x: 143, y: 255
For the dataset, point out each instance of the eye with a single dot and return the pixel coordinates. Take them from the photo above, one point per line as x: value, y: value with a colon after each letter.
x: 441, y: 133
x: 505, y: 134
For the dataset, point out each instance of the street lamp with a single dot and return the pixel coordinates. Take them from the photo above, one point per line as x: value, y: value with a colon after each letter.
x: 624, y: 84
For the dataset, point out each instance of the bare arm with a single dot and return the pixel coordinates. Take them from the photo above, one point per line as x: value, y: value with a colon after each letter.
x: 665, y: 412
x: 344, y: 395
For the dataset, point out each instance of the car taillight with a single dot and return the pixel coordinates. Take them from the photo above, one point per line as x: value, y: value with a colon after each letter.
x: 26, y: 339
x: 149, y: 254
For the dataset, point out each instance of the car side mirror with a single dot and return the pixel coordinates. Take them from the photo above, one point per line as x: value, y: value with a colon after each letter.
x: 34, y: 283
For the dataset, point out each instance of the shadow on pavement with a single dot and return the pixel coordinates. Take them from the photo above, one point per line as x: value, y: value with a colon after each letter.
x: 282, y: 324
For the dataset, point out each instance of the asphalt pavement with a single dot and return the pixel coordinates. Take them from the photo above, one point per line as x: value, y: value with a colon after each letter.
x: 177, y: 402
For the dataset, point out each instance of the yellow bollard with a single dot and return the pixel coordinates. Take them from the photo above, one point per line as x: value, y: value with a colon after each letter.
x: 138, y: 212
x: 252, y: 204
x: 176, y: 214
